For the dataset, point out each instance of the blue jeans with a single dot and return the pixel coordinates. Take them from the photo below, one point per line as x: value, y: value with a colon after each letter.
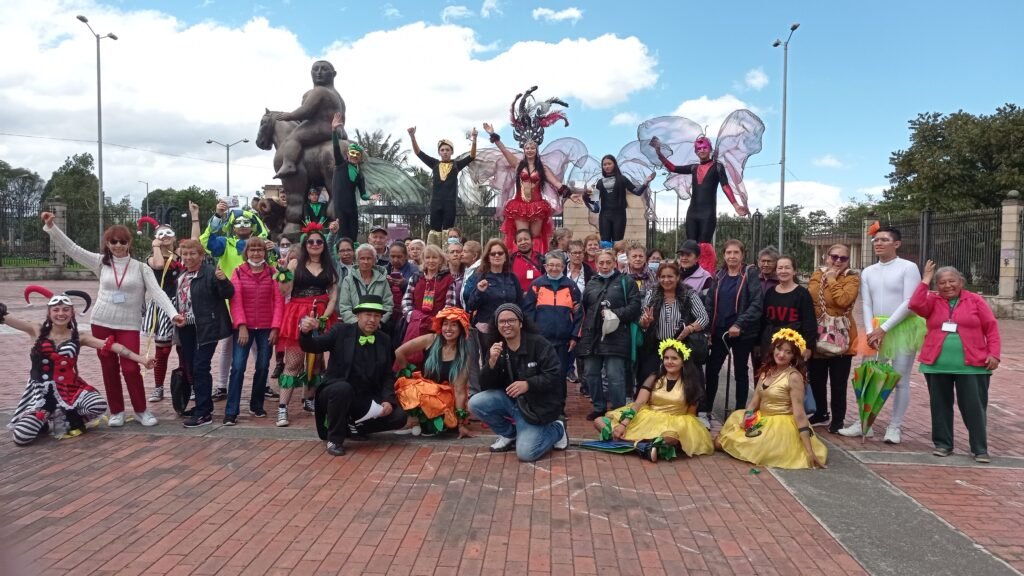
x: 198, y: 358
x: 501, y: 414
x: 239, y: 358
x: 615, y: 370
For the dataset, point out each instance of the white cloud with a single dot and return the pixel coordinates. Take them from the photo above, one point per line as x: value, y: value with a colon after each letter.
x: 390, y: 11
x: 872, y: 191
x: 711, y: 112
x: 162, y: 91
x: 455, y: 13
x: 490, y: 7
x: 828, y: 161
x: 625, y: 119
x: 756, y: 79
x: 571, y: 14
x: 809, y: 194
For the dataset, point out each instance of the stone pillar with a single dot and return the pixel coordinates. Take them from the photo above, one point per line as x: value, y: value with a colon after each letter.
x: 1009, y: 257
x: 60, y: 211
x: 576, y: 217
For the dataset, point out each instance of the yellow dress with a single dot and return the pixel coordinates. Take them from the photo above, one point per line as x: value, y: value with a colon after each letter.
x: 779, y: 444
x: 665, y: 415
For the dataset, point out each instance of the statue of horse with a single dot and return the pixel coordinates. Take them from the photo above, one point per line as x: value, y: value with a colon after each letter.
x: 315, y: 169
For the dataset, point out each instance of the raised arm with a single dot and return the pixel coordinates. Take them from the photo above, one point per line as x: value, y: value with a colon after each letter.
x: 193, y: 210
x: 496, y: 140
x: 30, y: 328
x: 90, y: 260
x: 412, y: 139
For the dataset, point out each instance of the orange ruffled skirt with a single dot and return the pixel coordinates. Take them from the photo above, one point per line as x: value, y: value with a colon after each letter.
x: 430, y: 397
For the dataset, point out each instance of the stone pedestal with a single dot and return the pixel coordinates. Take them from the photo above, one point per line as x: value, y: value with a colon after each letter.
x: 575, y: 217
x: 1009, y: 257
x: 60, y: 212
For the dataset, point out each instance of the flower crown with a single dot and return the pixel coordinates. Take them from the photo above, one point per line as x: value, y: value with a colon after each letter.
x: 667, y: 343
x: 792, y: 336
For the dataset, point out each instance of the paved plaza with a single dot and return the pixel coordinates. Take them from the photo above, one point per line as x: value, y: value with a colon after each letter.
x: 256, y: 499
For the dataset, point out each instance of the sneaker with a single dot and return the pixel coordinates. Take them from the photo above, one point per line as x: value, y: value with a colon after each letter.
x: 116, y: 420
x: 308, y: 405
x: 503, y: 444
x: 572, y: 377
x: 335, y: 449
x: 892, y: 435
x: 271, y: 394
x: 230, y: 420
x: 258, y: 413
x: 197, y: 421
x: 157, y: 394
x: 941, y: 452
x: 219, y: 394
x: 355, y: 434
x: 704, y: 419
x: 563, y: 442
x: 983, y: 459
x: 853, y: 430
x: 278, y: 369
x: 146, y: 418
x: 192, y: 396
x: 819, y: 419
x: 282, y: 416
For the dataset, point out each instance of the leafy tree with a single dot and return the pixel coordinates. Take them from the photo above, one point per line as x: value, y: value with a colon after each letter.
x: 377, y: 145
x: 957, y: 162
x: 75, y: 184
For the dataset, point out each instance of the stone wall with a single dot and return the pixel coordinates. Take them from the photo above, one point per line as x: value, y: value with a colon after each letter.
x: 576, y: 218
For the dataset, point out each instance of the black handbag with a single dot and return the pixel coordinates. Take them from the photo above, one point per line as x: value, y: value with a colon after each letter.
x: 180, y: 390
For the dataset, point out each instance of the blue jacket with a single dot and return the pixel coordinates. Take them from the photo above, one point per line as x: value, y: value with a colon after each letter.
x: 501, y: 288
x: 555, y: 307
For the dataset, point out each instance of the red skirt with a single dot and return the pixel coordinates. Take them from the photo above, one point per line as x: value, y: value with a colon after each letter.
x: 536, y: 210
x: 294, y: 311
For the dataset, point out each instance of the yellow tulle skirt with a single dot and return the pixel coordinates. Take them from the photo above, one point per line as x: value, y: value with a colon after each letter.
x: 778, y: 445
x: 648, y: 424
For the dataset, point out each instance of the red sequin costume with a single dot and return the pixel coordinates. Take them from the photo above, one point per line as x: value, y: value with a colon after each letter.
x: 517, y: 208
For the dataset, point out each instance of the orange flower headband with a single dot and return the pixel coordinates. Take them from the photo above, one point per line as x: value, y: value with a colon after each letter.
x: 451, y: 313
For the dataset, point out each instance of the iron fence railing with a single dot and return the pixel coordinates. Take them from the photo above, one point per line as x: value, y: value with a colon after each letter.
x: 968, y: 241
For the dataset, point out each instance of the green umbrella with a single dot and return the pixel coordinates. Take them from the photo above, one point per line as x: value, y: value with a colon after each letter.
x: 873, y: 381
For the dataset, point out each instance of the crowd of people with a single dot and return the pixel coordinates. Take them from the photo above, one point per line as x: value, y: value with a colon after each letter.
x: 421, y: 338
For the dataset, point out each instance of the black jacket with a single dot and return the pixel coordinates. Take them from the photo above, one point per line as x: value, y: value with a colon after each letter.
x: 535, y: 362
x: 626, y: 305
x: 615, y: 199
x: 749, y: 303
x: 213, y: 323
x: 341, y: 341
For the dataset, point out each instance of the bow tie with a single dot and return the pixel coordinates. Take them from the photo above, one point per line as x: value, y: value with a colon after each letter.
x: 364, y: 340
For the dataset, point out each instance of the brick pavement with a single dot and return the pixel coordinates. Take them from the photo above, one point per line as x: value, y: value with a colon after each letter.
x: 152, y: 503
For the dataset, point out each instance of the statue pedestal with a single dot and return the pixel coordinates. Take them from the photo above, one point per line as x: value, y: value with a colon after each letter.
x: 575, y: 217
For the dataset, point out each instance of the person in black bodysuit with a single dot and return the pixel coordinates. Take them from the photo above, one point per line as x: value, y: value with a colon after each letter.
x: 612, y: 205
x: 707, y: 175
x: 348, y: 179
x: 445, y: 183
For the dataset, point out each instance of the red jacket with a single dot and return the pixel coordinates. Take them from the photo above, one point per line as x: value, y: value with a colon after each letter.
x: 526, y: 269
x: 257, y: 302
x: 975, y: 324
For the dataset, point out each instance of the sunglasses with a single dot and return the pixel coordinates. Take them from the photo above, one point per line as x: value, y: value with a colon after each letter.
x: 115, y: 242
x: 164, y: 233
x: 493, y: 254
x: 314, y: 242
x: 838, y: 258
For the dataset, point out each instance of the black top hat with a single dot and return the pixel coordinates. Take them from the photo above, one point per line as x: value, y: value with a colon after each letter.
x: 369, y: 303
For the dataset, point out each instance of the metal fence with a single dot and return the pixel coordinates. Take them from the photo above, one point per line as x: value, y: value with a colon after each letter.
x: 22, y: 240
x: 967, y: 240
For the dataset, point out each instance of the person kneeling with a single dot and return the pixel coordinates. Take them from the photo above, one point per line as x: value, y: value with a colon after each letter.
x: 520, y: 398
x: 357, y: 394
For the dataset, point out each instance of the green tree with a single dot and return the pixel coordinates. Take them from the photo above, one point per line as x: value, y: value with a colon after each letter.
x: 75, y: 184
x: 378, y: 145
x: 957, y: 162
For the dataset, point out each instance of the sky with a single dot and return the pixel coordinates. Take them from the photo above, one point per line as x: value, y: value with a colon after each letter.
x: 182, y: 72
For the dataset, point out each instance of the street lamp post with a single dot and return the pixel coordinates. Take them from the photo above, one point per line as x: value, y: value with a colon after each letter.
x: 145, y: 201
x: 227, y: 162
x: 99, y: 118
x: 785, y: 86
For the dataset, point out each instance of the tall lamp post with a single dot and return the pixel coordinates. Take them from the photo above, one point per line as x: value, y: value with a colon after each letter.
x: 99, y: 117
x: 227, y: 162
x: 785, y: 86
x: 145, y: 201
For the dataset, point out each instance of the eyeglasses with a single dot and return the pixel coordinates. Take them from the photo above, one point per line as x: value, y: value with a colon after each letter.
x: 314, y: 242
x: 115, y: 242
x: 882, y: 239
x: 493, y: 254
x: 838, y: 258
x: 575, y: 253
x: 508, y: 322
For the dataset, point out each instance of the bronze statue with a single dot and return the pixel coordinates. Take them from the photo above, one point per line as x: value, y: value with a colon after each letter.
x: 319, y: 106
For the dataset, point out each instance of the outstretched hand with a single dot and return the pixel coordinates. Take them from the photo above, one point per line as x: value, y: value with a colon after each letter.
x: 47, y: 218
x: 488, y: 128
x: 411, y: 130
x: 193, y: 209
x: 929, y: 272
x: 655, y: 143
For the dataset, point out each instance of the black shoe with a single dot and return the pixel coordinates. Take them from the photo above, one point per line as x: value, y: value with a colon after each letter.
x: 271, y: 394
x: 230, y: 420
x: 594, y: 416
x: 308, y: 405
x: 819, y: 419
x: 335, y: 449
x: 219, y: 394
x: 197, y: 421
x: 355, y: 434
x: 258, y: 413
x: 277, y: 371
x: 189, y: 413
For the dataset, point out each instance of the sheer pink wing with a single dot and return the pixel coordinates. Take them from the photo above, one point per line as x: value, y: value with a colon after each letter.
x: 490, y: 169
x: 583, y: 178
x: 559, y: 157
x: 739, y: 138
x: 677, y: 135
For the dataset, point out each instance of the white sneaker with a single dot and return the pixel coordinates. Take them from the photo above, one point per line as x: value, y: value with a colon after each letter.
x: 146, y: 418
x: 503, y: 444
x: 116, y: 420
x: 892, y: 435
x: 563, y: 442
x: 853, y: 430
x: 704, y: 419
x: 282, y: 416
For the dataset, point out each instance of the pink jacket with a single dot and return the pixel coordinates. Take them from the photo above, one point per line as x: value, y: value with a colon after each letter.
x: 257, y: 302
x: 975, y: 322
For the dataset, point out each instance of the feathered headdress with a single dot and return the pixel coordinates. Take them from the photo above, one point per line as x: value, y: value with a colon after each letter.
x: 62, y: 298
x: 792, y: 336
x: 309, y: 228
x: 874, y: 228
x: 667, y: 343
